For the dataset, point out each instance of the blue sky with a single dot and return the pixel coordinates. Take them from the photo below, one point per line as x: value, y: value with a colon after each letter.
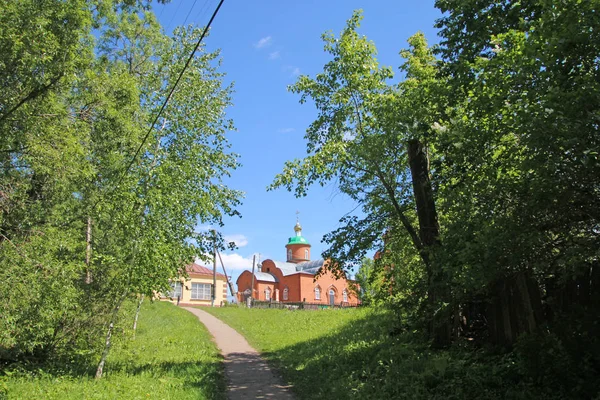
x: 265, y: 45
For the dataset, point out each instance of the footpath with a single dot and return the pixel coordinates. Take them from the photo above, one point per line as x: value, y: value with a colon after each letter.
x: 248, y: 375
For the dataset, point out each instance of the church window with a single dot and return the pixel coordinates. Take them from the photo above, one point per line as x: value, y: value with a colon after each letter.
x: 289, y: 254
x: 306, y: 254
x: 317, y: 293
x: 268, y: 294
x: 345, y: 296
x: 285, y: 293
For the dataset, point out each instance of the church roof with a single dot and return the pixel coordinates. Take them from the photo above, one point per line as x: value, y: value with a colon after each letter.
x: 297, y: 240
x: 311, y: 267
x: 265, y: 276
x: 307, y: 267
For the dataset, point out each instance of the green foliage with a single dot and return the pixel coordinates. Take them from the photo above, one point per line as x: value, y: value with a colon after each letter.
x: 508, y: 118
x: 78, y: 106
x: 172, y: 357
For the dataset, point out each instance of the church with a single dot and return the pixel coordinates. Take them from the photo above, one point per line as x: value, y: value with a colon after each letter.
x: 294, y: 280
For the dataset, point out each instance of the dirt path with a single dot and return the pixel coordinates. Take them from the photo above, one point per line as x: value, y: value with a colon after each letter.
x: 248, y: 375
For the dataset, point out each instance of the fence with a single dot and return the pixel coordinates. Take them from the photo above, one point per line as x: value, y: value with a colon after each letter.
x: 300, y: 305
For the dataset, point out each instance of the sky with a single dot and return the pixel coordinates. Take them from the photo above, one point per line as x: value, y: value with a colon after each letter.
x: 265, y: 45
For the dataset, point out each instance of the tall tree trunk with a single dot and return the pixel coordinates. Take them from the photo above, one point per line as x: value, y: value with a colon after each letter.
x: 108, y: 342
x: 88, y: 251
x: 429, y: 232
x: 137, y: 314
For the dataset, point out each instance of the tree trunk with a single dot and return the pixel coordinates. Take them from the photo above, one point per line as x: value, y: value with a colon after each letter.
x: 137, y: 314
x: 88, y: 251
x: 429, y: 232
x: 108, y: 343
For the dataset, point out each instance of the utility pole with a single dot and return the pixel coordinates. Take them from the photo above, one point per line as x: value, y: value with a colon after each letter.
x: 214, y: 286
x: 252, y: 286
x: 226, y: 276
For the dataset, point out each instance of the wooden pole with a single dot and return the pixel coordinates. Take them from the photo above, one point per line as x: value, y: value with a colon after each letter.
x: 252, y: 285
x: 214, y: 287
x: 226, y: 276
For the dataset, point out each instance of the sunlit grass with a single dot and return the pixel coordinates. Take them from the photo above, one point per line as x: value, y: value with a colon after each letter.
x: 360, y: 353
x: 172, y: 357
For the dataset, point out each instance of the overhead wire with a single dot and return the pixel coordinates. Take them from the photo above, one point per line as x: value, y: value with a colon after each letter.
x: 189, y: 12
x: 165, y: 102
x: 164, y: 105
x: 200, y: 15
x: 168, y: 26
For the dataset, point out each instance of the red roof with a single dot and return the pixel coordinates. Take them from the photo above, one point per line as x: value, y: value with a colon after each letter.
x: 200, y: 270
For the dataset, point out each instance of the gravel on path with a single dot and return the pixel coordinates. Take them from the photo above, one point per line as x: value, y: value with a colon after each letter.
x: 248, y: 375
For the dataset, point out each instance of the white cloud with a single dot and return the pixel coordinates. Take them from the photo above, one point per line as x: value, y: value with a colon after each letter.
x: 274, y: 55
x: 203, y: 228
x: 286, y: 130
x: 292, y: 69
x: 239, y: 239
x: 234, y: 262
x: 263, y: 42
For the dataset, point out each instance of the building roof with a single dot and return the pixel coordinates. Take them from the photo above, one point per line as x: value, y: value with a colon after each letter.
x: 311, y: 267
x: 265, y: 276
x: 297, y: 240
x: 306, y: 267
x: 196, y: 269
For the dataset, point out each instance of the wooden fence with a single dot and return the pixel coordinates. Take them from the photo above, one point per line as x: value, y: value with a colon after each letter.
x: 300, y: 305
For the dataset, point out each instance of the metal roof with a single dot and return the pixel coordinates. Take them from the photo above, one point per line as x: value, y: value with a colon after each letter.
x: 311, y: 267
x: 200, y: 270
x: 265, y: 276
x: 297, y: 240
x: 306, y: 267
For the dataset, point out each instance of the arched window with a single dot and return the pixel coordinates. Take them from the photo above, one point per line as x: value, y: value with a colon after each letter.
x: 306, y: 254
x: 289, y: 254
x: 285, y: 293
x: 345, y: 296
x: 268, y: 294
x: 317, y: 293
x: 331, y: 296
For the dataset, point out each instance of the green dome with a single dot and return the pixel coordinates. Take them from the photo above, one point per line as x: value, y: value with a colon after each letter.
x: 297, y: 240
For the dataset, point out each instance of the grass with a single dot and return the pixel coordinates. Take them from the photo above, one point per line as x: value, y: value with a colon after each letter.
x: 172, y: 357
x: 357, y: 353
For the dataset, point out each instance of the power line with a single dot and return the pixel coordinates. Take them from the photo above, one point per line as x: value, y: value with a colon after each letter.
x: 202, y: 11
x: 168, y: 26
x: 164, y: 105
x: 162, y: 108
x: 189, y: 12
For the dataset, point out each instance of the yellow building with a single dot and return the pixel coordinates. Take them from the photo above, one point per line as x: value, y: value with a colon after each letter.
x: 196, y: 290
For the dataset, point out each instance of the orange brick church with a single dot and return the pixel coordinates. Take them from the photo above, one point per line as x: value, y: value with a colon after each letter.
x: 294, y: 280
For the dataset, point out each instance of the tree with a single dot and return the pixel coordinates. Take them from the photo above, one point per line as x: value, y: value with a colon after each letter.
x: 519, y: 178
x: 373, y: 138
x: 68, y: 158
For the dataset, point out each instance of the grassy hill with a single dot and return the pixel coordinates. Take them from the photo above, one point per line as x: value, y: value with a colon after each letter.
x: 172, y: 357
x: 358, y: 353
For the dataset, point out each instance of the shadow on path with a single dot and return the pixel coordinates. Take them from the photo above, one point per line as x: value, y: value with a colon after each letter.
x: 248, y: 375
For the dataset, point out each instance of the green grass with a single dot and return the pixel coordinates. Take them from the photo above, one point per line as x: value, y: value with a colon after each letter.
x: 172, y: 357
x: 358, y: 354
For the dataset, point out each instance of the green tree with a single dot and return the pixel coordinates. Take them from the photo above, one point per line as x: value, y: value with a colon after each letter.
x: 520, y: 172
x: 374, y: 139
x: 67, y: 158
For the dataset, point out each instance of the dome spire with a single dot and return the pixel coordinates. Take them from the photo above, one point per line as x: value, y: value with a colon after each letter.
x: 298, y: 227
